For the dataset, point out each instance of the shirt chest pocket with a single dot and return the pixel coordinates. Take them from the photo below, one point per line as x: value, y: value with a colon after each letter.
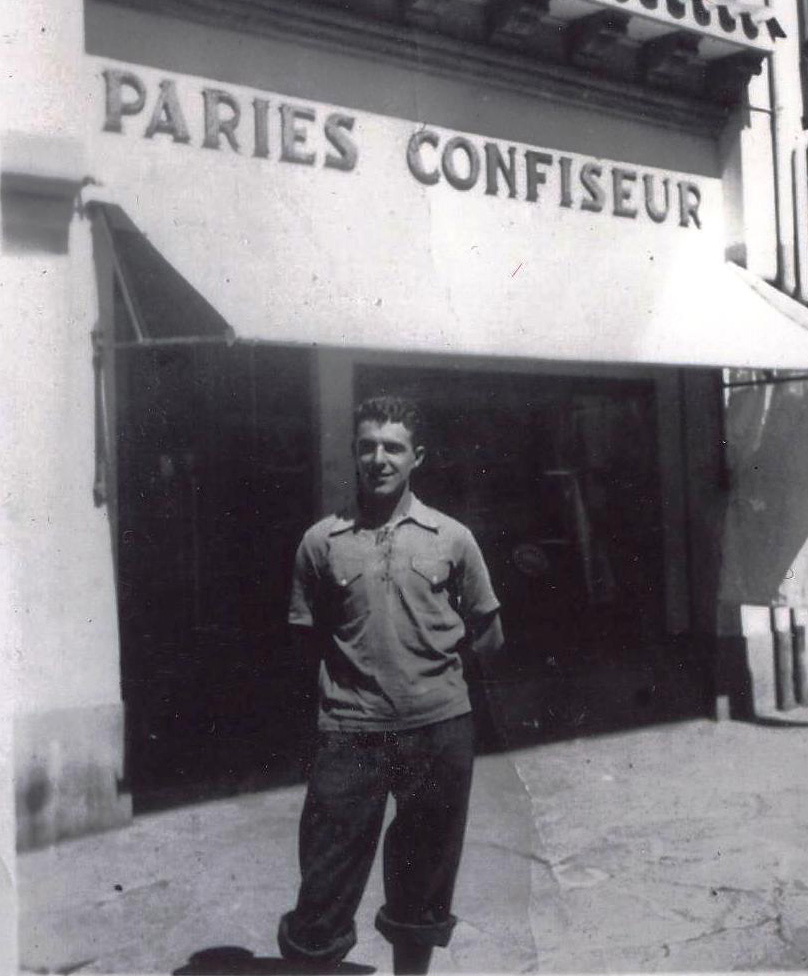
x: 346, y: 572
x: 348, y: 599
x: 431, y: 573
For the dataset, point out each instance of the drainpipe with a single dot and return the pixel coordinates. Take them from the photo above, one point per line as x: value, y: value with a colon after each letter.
x: 801, y: 213
x: 801, y: 174
x: 786, y: 98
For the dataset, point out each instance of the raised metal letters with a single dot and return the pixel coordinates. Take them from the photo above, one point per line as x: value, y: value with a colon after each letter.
x: 167, y: 116
x: 261, y: 122
x: 448, y: 163
x: 337, y: 127
x: 623, y: 181
x: 215, y: 125
x: 657, y: 214
x: 116, y: 107
x: 293, y: 136
x: 494, y: 164
x: 535, y: 176
x: 414, y: 160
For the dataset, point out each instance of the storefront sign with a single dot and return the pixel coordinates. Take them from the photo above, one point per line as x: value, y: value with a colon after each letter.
x: 588, y: 185
x: 306, y: 135
x: 303, y: 221
x: 127, y: 95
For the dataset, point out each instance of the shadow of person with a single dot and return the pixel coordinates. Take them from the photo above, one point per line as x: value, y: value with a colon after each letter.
x: 235, y: 961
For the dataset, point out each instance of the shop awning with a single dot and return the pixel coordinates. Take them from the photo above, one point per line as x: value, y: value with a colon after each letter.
x: 736, y: 320
x: 707, y: 314
x: 158, y: 303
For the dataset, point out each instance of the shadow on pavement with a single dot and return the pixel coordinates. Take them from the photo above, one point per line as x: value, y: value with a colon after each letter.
x: 235, y: 961
x: 536, y: 698
x: 591, y: 691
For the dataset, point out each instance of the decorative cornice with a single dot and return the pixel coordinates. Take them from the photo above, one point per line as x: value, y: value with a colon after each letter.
x: 746, y: 28
x: 597, y: 42
x: 673, y: 60
x: 527, y: 50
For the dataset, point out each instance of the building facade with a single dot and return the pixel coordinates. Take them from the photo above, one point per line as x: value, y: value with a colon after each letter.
x: 567, y: 226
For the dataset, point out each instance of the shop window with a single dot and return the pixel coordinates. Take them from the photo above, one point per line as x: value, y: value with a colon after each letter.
x: 557, y: 477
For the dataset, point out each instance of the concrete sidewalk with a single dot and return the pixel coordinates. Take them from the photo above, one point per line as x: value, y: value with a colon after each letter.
x: 673, y: 848
x: 151, y: 896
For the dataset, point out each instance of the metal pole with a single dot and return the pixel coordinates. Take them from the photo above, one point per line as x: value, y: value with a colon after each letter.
x: 799, y: 623
x: 801, y: 213
x: 783, y: 659
x: 785, y: 121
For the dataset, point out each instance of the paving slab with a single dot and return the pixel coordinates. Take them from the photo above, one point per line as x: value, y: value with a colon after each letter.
x: 150, y: 897
x: 673, y: 848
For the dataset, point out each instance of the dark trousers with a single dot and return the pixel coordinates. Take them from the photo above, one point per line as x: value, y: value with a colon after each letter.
x: 428, y: 771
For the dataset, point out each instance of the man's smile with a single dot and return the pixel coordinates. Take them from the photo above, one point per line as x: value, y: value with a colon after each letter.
x: 385, y: 459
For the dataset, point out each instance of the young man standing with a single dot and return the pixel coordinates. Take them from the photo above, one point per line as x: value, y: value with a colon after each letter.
x: 389, y: 595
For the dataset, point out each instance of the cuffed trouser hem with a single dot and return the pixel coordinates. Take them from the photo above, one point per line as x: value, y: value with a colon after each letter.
x: 334, y: 952
x: 427, y: 934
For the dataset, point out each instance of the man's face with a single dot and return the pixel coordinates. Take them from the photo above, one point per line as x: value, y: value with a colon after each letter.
x: 385, y: 459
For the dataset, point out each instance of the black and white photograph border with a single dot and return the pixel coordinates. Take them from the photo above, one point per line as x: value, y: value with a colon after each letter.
x: 556, y: 254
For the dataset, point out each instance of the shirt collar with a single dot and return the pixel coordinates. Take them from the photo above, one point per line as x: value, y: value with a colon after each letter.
x: 420, y: 513
x: 416, y: 512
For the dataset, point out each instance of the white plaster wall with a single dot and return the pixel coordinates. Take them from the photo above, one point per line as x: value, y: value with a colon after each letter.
x: 43, y: 41
x: 8, y: 874
x: 61, y: 583
x: 59, y: 619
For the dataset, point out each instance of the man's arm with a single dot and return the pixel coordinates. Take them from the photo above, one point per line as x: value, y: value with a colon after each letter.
x: 482, y: 662
x: 305, y: 637
x: 480, y: 609
x: 305, y: 646
x: 487, y: 642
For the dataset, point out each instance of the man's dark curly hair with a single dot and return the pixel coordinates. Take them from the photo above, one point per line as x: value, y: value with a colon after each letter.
x: 393, y: 410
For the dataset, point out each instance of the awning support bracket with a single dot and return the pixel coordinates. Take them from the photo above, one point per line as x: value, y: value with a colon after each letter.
x: 120, y: 277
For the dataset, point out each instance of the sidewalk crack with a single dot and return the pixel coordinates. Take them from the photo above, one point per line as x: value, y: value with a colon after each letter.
x: 524, y: 855
x: 536, y: 844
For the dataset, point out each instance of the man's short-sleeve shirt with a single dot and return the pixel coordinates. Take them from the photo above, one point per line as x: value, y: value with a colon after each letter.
x: 392, y: 606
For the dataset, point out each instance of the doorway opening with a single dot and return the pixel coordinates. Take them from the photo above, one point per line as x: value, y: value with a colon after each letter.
x: 215, y: 485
